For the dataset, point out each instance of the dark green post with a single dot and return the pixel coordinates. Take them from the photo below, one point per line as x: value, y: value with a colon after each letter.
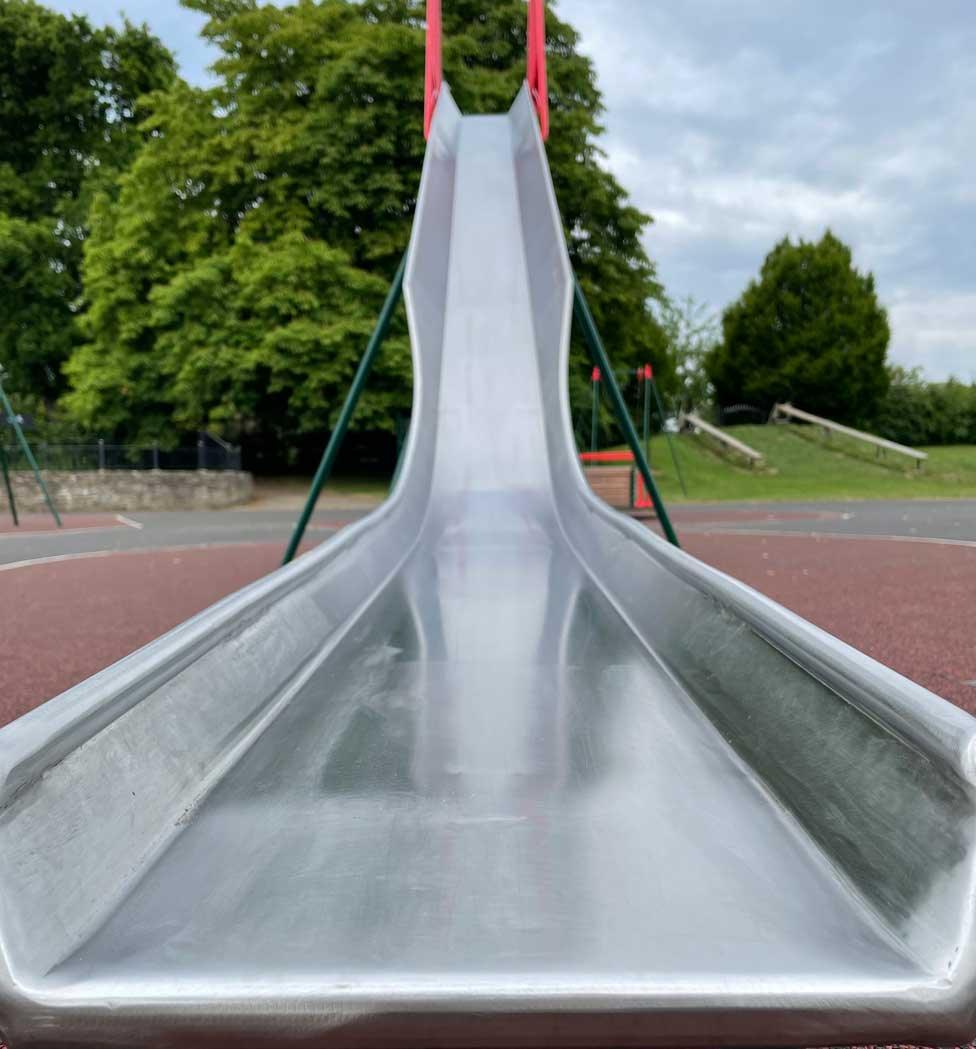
x: 647, y: 411
x: 352, y: 399
x: 595, y: 416
x: 601, y: 361
x: 667, y: 434
x: 25, y: 448
x: 6, y: 481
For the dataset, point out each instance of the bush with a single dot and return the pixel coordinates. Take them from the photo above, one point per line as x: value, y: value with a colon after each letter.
x: 915, y: 412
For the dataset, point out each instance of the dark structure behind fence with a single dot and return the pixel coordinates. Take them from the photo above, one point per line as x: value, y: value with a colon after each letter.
x: 209, y: 454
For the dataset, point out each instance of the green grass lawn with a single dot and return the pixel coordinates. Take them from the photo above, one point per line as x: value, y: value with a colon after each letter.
x: 802, y: 465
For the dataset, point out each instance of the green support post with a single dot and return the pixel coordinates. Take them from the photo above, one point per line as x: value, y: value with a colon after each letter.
x: 595, y: 415
x: 647, y: 412
x: 6, y: 481
x: 667, y: 435
x: 600, y: 360
x: 25, y: 448
x: 352, y: 399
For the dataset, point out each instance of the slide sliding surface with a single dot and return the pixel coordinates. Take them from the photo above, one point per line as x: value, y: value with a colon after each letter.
x: 496, y: 766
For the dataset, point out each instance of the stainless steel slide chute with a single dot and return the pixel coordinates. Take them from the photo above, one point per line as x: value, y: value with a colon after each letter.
x: 496, y: 766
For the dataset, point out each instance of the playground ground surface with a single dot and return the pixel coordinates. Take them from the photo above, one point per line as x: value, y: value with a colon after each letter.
x: 896, y: 579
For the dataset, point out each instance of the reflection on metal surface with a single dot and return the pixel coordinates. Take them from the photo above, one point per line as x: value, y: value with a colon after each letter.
x: 495, y: 766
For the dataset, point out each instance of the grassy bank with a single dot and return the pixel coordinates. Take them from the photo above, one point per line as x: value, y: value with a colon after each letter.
x: 802, y: 465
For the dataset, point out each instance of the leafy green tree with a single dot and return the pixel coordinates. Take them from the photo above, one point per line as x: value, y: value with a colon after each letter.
x: 691, y: 333
x: 68, y: 96
x: 234, y: 281
x: 810, y: 331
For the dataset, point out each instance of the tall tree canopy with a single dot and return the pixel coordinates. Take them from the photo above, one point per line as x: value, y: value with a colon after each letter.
x: 235, y: 280
x: 68, y: 96
x: 810, y: 331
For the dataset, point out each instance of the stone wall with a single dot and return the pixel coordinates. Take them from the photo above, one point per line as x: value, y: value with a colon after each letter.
x: 120, y: 490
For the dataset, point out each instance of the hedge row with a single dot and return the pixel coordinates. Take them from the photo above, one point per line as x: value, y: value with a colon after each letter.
x: 914, y: 412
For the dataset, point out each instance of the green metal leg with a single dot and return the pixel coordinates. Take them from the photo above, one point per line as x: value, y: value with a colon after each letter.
x: 595, y: 414
x: 6, y: 481
x: 28, y: 454
x: 647, y: 419
x: 671, y: 446
x: 600, y: 360
x: 352, y: 399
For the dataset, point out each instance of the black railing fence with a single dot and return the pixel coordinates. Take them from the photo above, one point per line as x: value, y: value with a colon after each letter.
x: 210, y: 453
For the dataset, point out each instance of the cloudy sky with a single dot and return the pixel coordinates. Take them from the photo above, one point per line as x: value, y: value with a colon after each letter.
x: 735, y: 124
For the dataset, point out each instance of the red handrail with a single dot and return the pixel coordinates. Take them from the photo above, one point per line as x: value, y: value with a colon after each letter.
x: 537, y: 77
x: 434, y: 72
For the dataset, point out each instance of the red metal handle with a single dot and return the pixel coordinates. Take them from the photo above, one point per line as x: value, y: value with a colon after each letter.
x: 435, y: 72
x: 537, y: 75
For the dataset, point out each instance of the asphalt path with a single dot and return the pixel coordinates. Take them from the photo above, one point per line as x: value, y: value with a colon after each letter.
x: 160, y: 530
x: 950, y: 520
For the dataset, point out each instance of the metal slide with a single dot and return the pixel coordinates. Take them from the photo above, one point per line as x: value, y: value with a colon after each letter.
x: 495, y: 766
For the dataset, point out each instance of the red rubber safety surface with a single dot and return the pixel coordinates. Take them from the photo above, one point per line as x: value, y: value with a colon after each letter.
x: 911, y: 605
x: 63, y: 621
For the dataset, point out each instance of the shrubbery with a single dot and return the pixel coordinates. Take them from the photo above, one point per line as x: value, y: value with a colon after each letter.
x: 916, y: 412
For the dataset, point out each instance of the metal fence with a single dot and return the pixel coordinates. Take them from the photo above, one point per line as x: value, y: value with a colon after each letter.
x: 739, y: 415
x: 209, y: 454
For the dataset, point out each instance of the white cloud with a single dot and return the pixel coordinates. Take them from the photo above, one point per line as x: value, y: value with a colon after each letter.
x: 936, y: 333
x: 737, y: 125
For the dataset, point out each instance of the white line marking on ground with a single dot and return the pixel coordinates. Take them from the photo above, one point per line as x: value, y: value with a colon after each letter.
x: 58, y: 558
x: 86, y: 530
x: 55, y: 558
x: 122, y: 519
x: 771, y: 533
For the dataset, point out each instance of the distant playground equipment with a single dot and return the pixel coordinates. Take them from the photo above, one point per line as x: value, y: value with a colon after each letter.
x: 696, y: 424
x: 495, y: 765
x: 787, y: 412
x: 609, y: 489
x: 13, y: 420
x: 615, y: 479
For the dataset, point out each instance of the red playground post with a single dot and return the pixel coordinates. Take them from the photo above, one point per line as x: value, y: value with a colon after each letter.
x: 434, y: 74
x: 537, y: 75
x: 595, y: 419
